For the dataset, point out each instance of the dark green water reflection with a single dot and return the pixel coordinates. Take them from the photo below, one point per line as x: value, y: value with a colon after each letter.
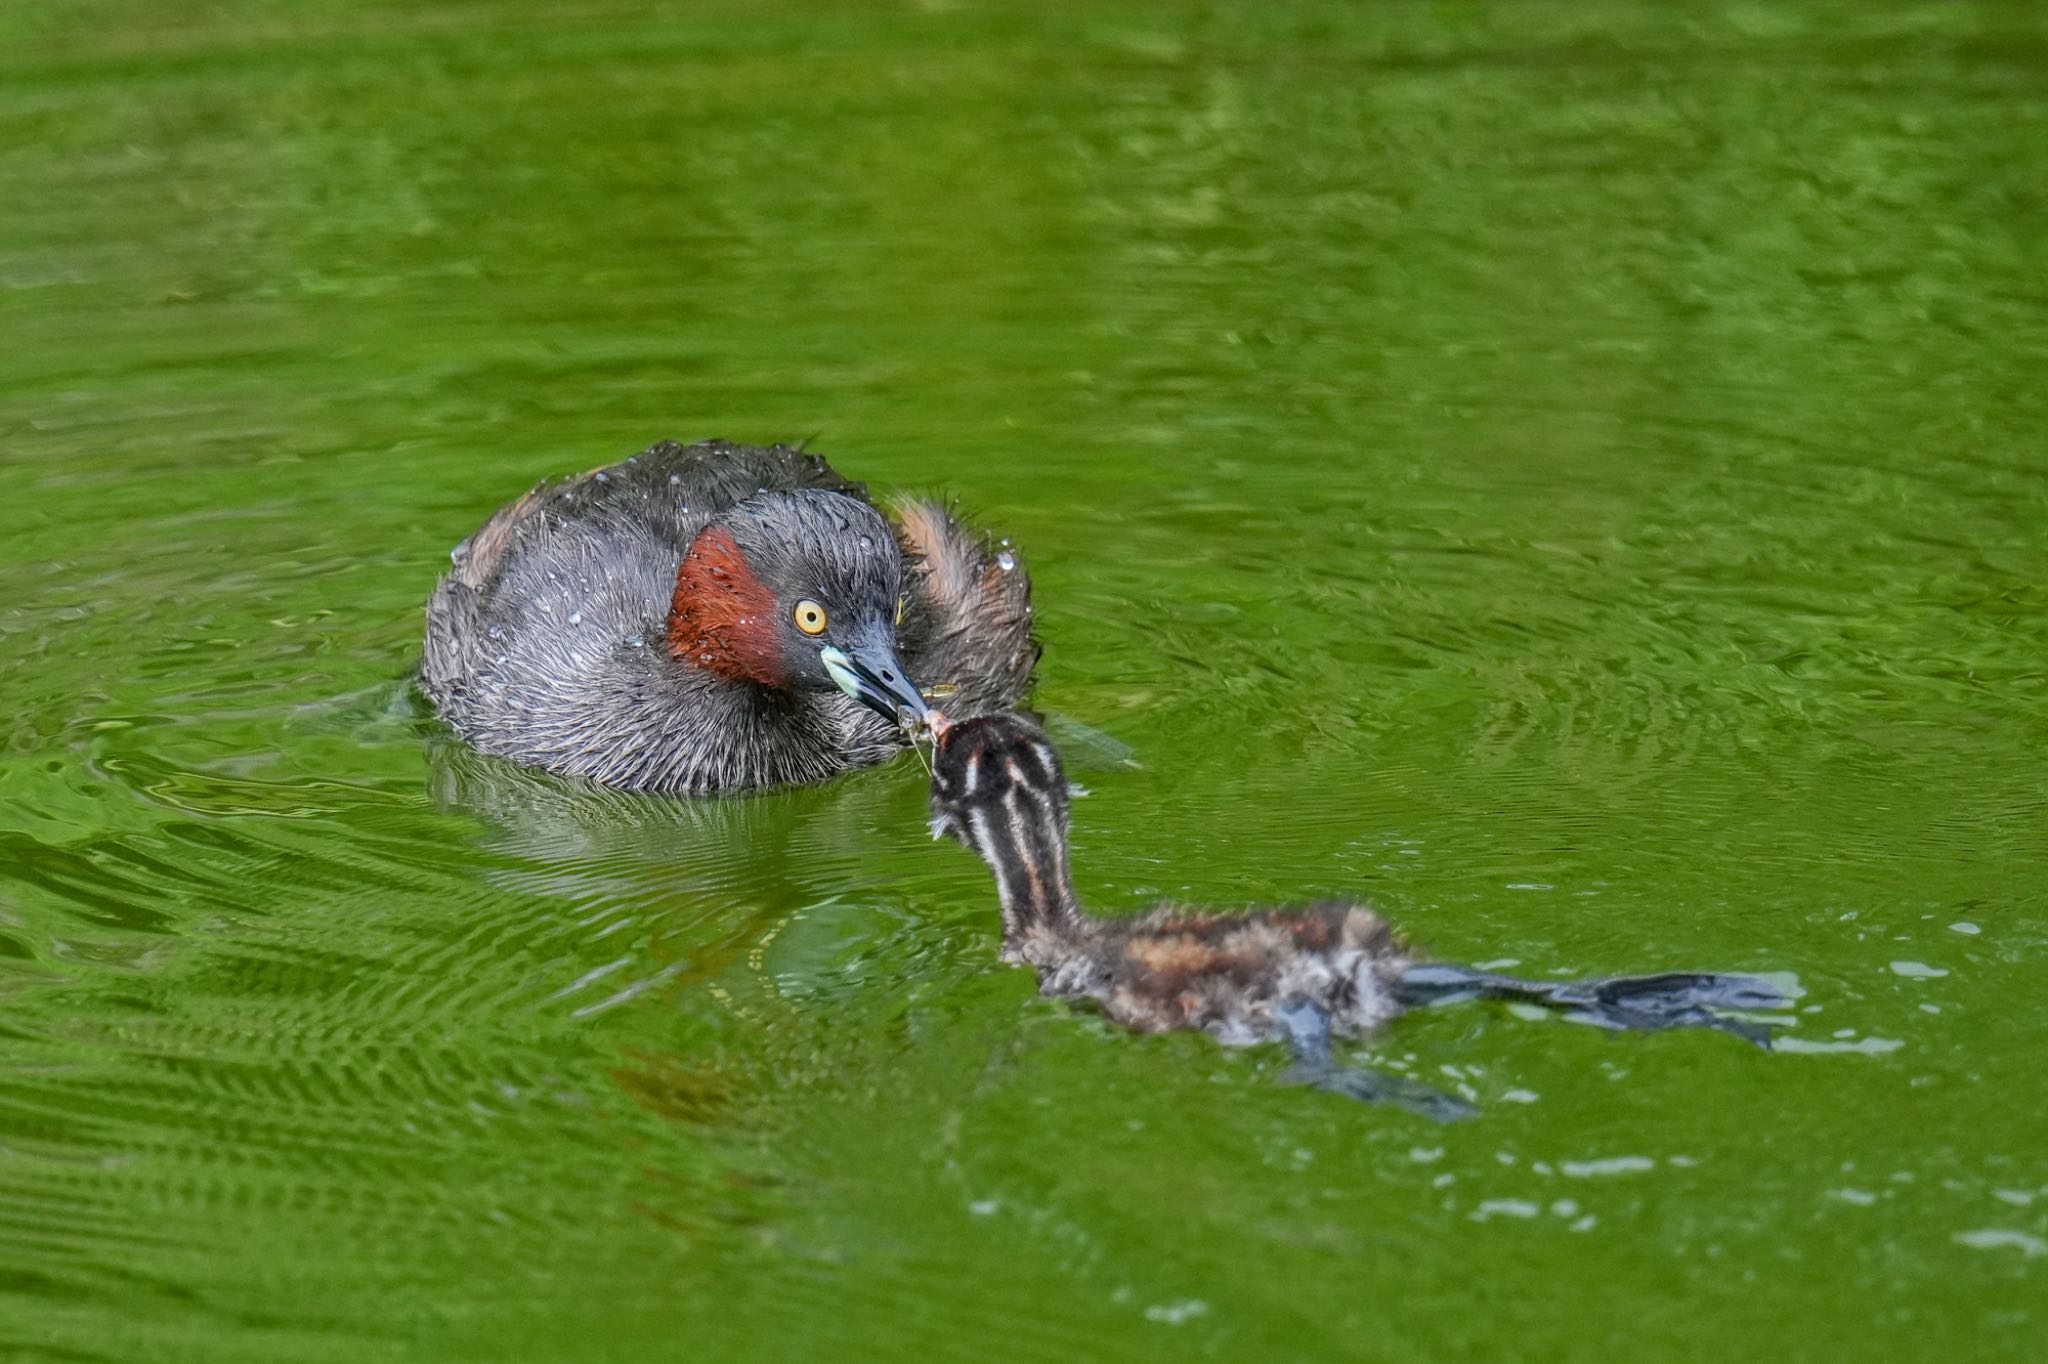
x: 1571, y: 472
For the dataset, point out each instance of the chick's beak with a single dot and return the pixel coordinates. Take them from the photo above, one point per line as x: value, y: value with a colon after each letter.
x: 871, y: 675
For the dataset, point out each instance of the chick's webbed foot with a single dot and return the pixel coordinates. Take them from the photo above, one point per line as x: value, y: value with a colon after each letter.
x: 1673, y: 999
x: 1306, y: 1028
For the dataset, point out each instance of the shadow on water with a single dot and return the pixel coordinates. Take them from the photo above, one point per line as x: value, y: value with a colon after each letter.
x: 685, y: 900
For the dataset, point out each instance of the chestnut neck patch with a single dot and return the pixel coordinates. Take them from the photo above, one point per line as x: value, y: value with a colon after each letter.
x: 722, y: 619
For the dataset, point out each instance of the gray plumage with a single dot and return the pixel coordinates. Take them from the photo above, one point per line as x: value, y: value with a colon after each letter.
x: 550, y: 640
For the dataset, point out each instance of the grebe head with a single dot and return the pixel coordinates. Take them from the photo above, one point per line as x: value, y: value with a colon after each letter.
x: 797, y: 591
x: 997, y: 786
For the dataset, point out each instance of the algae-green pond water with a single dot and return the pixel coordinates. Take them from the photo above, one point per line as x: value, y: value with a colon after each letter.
x: 1571, y: 474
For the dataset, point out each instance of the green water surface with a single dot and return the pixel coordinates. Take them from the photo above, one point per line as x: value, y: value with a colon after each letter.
x: 1572, y: 473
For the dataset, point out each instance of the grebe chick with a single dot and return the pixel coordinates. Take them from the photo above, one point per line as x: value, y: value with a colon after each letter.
x: 1303, y: 976
x: 718, y: 617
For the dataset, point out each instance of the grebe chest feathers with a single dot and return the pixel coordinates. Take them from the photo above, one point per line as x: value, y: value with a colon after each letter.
x: 1302, y: 976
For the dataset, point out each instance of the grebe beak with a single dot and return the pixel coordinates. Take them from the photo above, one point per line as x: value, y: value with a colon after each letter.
x: 871, y: 675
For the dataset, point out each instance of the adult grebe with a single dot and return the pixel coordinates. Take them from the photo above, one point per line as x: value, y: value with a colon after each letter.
x: 718, y: 617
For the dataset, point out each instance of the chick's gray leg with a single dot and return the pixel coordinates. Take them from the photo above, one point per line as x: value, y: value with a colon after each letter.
x: 1306, y: 1027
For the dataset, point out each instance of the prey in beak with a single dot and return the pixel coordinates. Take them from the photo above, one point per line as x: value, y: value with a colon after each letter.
x: 871, y: 674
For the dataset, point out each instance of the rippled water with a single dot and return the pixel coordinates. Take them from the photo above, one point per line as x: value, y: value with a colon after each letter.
x: 1571, y: 473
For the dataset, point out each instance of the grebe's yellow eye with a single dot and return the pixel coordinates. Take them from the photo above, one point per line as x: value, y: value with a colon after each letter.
x: 810, y: 617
